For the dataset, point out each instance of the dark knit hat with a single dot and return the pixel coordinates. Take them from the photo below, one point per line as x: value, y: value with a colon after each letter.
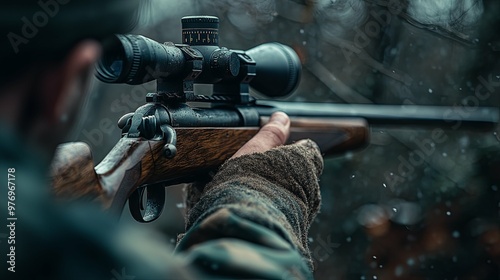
x: 38, y: 30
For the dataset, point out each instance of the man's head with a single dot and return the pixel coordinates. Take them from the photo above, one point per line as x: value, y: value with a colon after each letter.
x: 48, y: 49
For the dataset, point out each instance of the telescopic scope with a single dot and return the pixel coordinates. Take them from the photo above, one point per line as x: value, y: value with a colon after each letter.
x: 135, y: 59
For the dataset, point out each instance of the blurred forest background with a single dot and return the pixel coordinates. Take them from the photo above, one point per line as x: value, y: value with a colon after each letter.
x: 417, y: 203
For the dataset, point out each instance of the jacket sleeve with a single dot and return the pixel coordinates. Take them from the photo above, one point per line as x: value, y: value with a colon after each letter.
x: 252, y: 219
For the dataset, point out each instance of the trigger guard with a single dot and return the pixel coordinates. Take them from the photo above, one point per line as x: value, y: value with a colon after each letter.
x: 154, y: 203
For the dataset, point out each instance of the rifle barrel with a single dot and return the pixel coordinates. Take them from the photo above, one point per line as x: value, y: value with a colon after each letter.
x: 480, y: 118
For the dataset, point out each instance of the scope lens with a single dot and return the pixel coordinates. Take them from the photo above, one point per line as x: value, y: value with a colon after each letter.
x: 111, y: 65
x: 116, y: 67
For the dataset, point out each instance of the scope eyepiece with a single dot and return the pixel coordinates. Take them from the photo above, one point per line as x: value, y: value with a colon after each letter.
x: 111, y: 66
x: 135, y: 59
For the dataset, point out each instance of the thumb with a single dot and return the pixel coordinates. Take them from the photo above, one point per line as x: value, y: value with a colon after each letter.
x: 273, y: 134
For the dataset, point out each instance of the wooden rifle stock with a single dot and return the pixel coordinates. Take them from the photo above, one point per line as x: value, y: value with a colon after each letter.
x: 134, y: 162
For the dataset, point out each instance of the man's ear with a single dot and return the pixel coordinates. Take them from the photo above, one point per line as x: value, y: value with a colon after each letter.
x: 65, y: 85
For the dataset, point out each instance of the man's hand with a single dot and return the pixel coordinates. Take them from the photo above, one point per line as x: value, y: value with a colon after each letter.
x: 273, y: 134
x: 260, y: 203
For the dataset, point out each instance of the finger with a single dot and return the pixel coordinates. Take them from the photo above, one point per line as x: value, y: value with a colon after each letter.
x: 273, y: 134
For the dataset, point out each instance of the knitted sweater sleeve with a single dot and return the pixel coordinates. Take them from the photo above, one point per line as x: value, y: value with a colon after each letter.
x: 258, y: 207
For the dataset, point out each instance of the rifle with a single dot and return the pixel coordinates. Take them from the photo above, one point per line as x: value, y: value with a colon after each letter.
x: 179, y: 135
